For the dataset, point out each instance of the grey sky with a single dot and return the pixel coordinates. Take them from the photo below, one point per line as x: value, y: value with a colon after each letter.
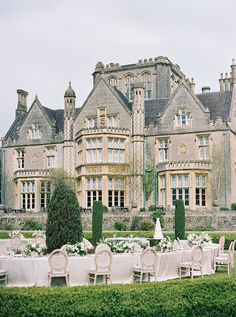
x: 46, y: 43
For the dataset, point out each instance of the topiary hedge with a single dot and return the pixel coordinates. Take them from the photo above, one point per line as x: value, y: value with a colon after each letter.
x: 201, y: 297
x: 97, y: 221
x: 179, y: 219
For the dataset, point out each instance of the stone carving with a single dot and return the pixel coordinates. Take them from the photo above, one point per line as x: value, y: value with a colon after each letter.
x: 94, y: 169
x: 118, y: 169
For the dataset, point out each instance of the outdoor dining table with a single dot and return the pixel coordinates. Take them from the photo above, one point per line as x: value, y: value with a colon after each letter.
x: 33, y: 271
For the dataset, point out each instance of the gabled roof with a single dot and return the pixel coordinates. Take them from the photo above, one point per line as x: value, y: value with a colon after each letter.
x: 153, y: 108
x: 218, y: 103
x: 12, y: 132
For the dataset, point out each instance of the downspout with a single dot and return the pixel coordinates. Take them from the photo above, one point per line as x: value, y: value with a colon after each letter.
x: 225, y: 169
x: 144, y: 173
x: 3, y: 179
x: 155, y: 184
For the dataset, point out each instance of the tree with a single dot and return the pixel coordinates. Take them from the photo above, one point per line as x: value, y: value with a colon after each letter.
x: 179, y: 219
x: 64, y: 223
x: 97, y: 219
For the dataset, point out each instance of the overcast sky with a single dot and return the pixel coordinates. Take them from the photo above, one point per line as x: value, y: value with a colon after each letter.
x: 45, y: 44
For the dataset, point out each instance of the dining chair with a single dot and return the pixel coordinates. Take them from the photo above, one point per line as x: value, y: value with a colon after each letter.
x: 40, y: 240
x: 3, y: 274
x: 221, y: 245
x: 147, y: 266
x: 225, y: 259
x: 195, y: 264
x: 15, y: 243
x: 102, y: 262
x: 58, y: 262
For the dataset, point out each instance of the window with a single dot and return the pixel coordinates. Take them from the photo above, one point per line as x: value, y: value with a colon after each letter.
x: 147, y: 86
x: 180, y: 188
x: 163, y: 150
x: 28, y: 195
x: 113, y: 121
x: 50, y: 157
x: 94, y: 150
x: 92, y: 122
x: 200, y: 190
x: 183, y: 118
x: 20, y: 158
x: 162, y: 190
x: 45, y: 194
x: 116, y: 192
x: 93, y: 190
x: 116, y: 150
x: 203, y: 147
x: 34, y: 132
x: 112, y: 81
x: 128, y: 87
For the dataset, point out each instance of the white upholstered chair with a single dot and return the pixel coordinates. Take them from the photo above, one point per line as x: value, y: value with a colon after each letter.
x: 225, y: 259
x: 3, y: 274
x: 58, y: 262
x: 40, y: 240
x: 102, y: 261
x: 195, y: 264
x: 221, y: 245
x: 15, y: 243
x: 147, y: 266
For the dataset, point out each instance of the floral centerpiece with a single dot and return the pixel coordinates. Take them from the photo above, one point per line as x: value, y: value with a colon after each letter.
x: 34, y: 249
x: 202, y: 239
x: 126, y: 246
x: 15, y: 233
x: 166, y: 244
x: 79, y: 248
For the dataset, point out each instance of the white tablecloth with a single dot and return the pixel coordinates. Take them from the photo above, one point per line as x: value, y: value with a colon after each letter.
x: 33, y: 271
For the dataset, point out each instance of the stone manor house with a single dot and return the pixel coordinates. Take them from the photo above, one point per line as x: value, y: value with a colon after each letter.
x: 142, y: 137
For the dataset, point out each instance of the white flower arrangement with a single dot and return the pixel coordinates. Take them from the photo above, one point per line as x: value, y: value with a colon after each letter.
x: 125, y: 246
x: 79, y: 248
x: 202, y: 239
x: 166, y: 244
x: 38, y: 233
x: 32, y: 249
x: 15, y: 233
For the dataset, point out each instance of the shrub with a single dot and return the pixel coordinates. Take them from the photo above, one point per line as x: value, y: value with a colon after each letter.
x: 179, y: 219
x: 97, y: 219
x: 158, y: 214
x: 135, y: 223
x: 201, y: 297
x: 142, y: 209
x: 224, y: 209
x: 64, y: 220
x: 120, y: 225
x: 146, y: 225
x: 32, y: 224
x: 233, y: 206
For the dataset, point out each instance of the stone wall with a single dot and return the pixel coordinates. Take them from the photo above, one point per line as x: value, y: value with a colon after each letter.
x: 222, y: 220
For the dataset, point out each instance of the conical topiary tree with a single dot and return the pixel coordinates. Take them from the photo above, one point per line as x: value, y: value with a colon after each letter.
x: 64, y: 223
x: 179, y: 219
x: 97, y: 219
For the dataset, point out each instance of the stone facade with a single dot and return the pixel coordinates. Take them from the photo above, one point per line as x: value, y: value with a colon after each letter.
x: 142, y: 137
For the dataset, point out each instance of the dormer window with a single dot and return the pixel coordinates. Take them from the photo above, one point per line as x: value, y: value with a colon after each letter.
x: 92, y: 122
x: 182, y: 118
x: 34, y: 132
x: 112, y: 121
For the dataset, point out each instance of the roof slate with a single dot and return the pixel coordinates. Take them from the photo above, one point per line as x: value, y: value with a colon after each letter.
x: 153, y: 108
x: 218, y: 103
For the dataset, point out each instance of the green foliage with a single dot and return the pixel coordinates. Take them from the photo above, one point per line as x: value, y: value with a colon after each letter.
x: 224, y: 209
x: 146, y: 225
x: 202, y: 228
x: 32, y: 224
x: 135, y: 223
x: 179, y: 219
x: 64, y: 220
x: 97, y: 220
x: 120, y: 225
x: 158, y: 214
x: 142, y: 209
x: 233, y: 206
x: 201, y: 297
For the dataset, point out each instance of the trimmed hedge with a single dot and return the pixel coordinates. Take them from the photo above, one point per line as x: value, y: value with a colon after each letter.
x: 97, y: 222
x: 201, y: 297
x: 179, y: 219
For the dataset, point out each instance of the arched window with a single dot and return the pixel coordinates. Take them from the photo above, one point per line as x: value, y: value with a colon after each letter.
x: 112, y: 81
x: 147, y: 85
x: 128, y: 87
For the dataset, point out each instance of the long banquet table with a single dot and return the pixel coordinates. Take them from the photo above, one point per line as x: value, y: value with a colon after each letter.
x: 33, y: 271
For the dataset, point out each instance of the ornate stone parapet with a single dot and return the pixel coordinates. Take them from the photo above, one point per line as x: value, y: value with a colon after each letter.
x: 184, y: 165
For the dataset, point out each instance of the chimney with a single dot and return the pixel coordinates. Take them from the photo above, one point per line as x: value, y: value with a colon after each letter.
x: 22, y: 103
x: 206, y: 89
x: 221, y: 80
x: 233, y: 72
x: 227, y: 82
x: 192, y: 85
